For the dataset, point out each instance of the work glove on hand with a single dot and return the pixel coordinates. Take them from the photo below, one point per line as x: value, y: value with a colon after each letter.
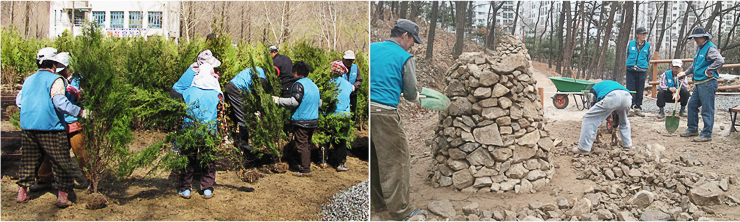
x: 709, y: 73
x: 275, y: 99
x: 74, y: 91
x: 681, y: 75
x: 85, y: 113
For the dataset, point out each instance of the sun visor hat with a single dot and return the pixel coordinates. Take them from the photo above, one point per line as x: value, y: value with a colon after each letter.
x: 699, y: 32
x: 49, y: 53
x: 63, y: 59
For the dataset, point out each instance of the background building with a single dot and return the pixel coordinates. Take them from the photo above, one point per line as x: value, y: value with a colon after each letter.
x: 118, y: 19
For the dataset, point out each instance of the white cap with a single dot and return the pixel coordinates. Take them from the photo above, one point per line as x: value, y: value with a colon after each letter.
x: 349, y: 54
x: 48, y: 53
x: 63, y: 58
x: 677, y: 62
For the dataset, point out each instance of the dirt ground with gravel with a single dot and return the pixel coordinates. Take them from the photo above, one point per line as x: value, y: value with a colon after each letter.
x: 717, y: 157
x: 273, y: 197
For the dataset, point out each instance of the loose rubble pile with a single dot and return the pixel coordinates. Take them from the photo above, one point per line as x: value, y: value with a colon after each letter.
x: 351, y: 204
x: 492, y: 137
x: 634, y: 184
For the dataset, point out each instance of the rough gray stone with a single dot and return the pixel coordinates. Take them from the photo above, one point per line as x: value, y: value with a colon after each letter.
x: 490, y: 102
x: 625, y: 216
x: 479, y: 157
x: 654, y: 215
x: 457, y: 164
x: 706, y: 194
x: 445, y: 181
x: 724, y: 184
x: 462, y: 179
x: 457, y: 154
x: 516, y: 171
x: 442, y: 208
x: 455, y: 88
x: 471, y: 209
x: 488, y: 78
x: 485, y: 172
x: 461, y: 106
x: 482, y: 92
x: 508, y: 185
x: 445, y: 170
x: 526, y: 186
x: 504, y: 102
x: 488, y: 135
x: 546, y: 143
x: 482, y: 182
x: 535, y: 174
x: 604, y: 214
x: 522, y: 153
x: 493, y: 112
x: 581, y: 207
x: 563, y: 203
x: 642, y: 199
x: 510, y: 63
x: 469, y: 147
x: 529, y: 138
x: 499, y: 90
x: 532, y: 164
x: 531, y: 218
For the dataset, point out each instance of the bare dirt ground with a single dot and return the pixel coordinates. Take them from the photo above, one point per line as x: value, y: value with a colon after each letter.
x: 718, y: 156
x: 273, y: 197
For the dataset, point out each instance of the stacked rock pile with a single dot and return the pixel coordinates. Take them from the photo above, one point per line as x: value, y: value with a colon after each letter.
x: 492, y: 137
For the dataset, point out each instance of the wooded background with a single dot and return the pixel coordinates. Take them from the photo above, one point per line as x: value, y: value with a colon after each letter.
x: 589, y: 40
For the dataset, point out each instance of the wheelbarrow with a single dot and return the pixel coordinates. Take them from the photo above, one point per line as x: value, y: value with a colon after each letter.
x: 578, y: 88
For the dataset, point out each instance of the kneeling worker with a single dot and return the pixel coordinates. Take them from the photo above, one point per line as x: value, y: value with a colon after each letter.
x: 610, y: 97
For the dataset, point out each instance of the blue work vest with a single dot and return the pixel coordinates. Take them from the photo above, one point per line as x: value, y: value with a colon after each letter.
x: 387, y: 73
x: 669, y: 79
x: 351, y: 77
x: 38, y: 112
x: 202, y: 105
x: 243, y: 80
x: 636, y: 57
x: 309, y: 107
x: 701, y: 64
x: 185, y: 81
x: 344, y: 89
x: 76, y: 83
x: 605, y: 87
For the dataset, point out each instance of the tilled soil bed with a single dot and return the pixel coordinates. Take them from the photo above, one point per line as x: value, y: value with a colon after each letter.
x: 273, y: 197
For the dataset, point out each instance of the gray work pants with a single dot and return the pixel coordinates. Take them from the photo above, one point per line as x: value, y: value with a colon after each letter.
x: 390, y: 163
x: 617, y: 100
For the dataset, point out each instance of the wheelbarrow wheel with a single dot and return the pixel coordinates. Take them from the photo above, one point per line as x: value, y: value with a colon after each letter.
x: 560, y: 101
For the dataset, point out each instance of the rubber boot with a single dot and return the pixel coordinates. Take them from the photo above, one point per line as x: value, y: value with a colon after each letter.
x: 62, y: 200
x: 244, y: 138
x: 661, y: 112
x: 683, y: 111
x: 22, y: 194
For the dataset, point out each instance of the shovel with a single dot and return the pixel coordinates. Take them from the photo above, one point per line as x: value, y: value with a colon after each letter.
x: 671, y: 122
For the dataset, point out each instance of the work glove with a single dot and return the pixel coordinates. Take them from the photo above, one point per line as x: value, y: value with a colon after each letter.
x: 275, y: 99
x: 353, y: 88
x: 709, y: 73
x: 85, y: 113
x: 74, y: 91
x: 257, y: 113
x: 681, y: 75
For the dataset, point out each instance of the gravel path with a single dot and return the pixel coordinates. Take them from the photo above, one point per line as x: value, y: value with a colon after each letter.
x: 351, y: 204
x: 721, y: 104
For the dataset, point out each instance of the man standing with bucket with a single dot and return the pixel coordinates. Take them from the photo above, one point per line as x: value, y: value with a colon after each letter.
x: 704, y: 69
x: 393, y: 72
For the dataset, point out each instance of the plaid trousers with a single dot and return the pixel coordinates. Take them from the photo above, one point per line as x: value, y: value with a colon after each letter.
x: 55, y: 145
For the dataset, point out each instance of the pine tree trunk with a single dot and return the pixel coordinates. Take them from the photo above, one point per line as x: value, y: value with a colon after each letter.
x: 459, y: 27
x: 682, y: 35
x: 662, y: 27
x: 607, y: 35
x: 552, y: 30
x: 620, y: 58
x: 404, y: 9
x: 432, y: 28
x: 561, y: 23
x: 516, y: 17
